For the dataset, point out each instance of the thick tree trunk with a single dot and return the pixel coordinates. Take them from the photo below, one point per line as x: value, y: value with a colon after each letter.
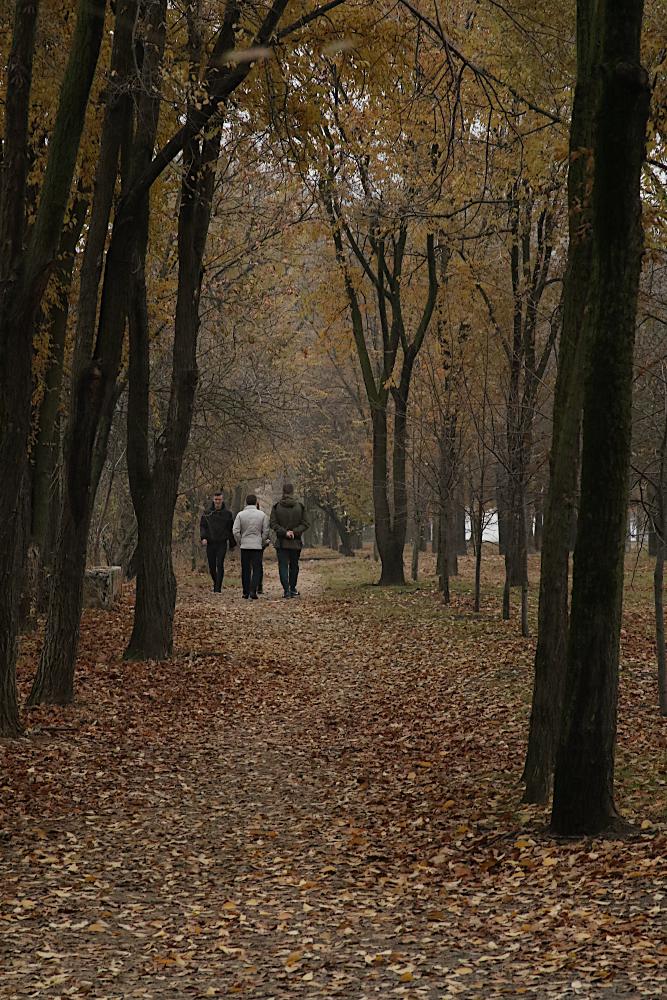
x: 54, y: 681
x: 47, y: 445
x: 23, y: 276
x: 15, y: 382
x: 152, y: 635
x: 92, y: 403
x: 152, y: 632
x: 115, y: 131
x: 561, y: 499
x: 583, y: 801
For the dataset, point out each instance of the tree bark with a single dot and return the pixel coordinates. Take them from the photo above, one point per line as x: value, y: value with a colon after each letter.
x: 94, y: 394
x: 657, y: 525
x: 47, y: 444
x: 152, y: 634
x: 24, y: 276
x: 389, y: 543
x: 561, y: 499
x: 658, y: 594
x: 14, y: 384
x: 583, y: 802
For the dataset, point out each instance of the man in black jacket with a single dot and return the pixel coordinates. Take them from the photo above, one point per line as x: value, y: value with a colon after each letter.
x: 288, y: 520
x: 215, y: 529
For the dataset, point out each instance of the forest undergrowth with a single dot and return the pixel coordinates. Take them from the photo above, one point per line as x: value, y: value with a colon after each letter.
x: 321, y: 798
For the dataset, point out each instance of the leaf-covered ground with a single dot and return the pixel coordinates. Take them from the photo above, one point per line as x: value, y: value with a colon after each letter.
x: 320, y: 798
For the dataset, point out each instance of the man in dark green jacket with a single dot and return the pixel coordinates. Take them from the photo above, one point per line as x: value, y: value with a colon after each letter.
x: 288, y: 520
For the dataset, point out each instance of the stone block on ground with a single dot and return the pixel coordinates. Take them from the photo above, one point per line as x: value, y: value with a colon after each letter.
x: 101, y: 586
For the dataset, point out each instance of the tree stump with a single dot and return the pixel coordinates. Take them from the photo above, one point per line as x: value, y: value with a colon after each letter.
x: 101, y: 586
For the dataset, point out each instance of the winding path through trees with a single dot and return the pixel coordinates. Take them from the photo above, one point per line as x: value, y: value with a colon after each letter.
x: 315, y: 798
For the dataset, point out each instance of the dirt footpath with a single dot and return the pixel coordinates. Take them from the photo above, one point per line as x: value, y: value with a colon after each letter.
x: 315, y: 798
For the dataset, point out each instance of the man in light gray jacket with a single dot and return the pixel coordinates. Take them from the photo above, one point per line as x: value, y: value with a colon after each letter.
x: 251, y: 531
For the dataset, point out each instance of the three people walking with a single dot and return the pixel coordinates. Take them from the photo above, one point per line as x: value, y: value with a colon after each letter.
x: 220, y: 531
x: 251, y: 532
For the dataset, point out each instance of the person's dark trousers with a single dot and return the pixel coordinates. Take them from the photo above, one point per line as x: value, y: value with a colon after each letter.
x: 251, y: 562
x: 260, y: 578
x: 288, y: 568
x: 216, y: 552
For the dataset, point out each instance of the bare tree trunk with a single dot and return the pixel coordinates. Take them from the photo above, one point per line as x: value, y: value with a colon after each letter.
x: 48, y: 434
x: 390, y: 545
x: 659, y: 526
x: 560, y: 506
x: 23, y: 278
x: 94, y: 391
x: 583, y: 802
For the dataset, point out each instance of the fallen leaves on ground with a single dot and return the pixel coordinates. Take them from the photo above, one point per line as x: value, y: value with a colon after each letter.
x: 319, y: 798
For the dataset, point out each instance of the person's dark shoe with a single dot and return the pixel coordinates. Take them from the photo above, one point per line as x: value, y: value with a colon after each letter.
x: 246, y: 596
x: 294, y: 593
x: 287, y: 594
x: 253, y: 597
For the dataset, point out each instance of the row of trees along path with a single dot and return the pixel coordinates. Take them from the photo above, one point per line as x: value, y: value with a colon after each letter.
x: 574, y: 740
